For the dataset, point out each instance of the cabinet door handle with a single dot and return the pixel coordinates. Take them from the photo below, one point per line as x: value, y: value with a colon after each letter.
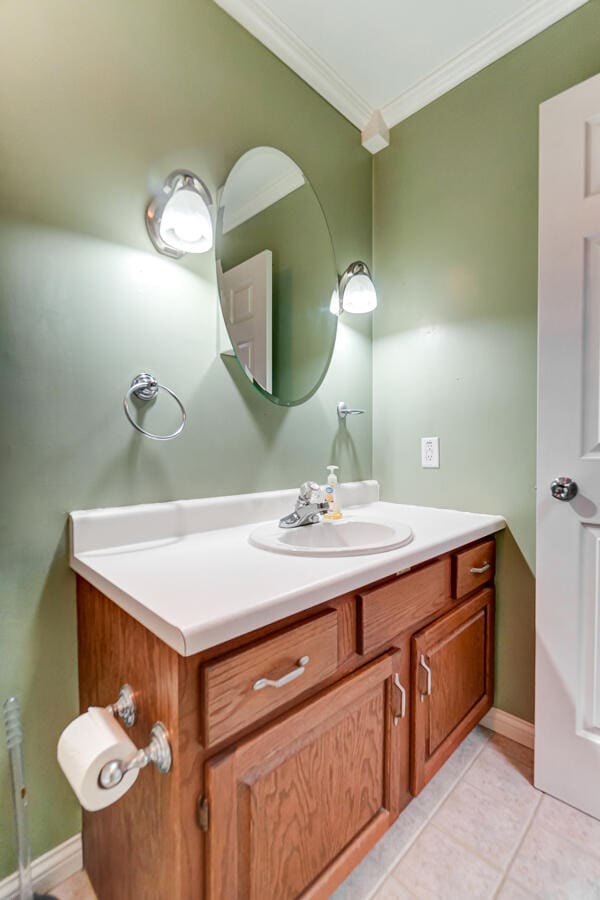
x: 402, y: 699
x: 428, y: 670
x: 285, y: 679
x: 479, y: 571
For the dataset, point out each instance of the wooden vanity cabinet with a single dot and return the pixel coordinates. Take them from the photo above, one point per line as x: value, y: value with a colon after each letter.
x: 452, y: 669
x: 279, y: 791
x: 295, y: 803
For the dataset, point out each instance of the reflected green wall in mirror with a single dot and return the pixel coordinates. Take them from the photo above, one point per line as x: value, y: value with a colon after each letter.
x: 288, y: 364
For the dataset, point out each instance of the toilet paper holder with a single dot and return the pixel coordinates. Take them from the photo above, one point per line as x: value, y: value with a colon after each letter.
x: 125, y: 707
x: 158, y: 750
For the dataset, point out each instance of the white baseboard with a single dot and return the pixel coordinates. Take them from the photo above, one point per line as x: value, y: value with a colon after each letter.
x: 48, y: 870
x: 510, y: 726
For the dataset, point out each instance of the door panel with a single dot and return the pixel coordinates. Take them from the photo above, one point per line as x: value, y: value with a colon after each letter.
x: 458, y: 671
x: 452, y: 682
x: 291, y: 801
x: 567, y: 709
x: 341, y: 770
x: 247, y: 309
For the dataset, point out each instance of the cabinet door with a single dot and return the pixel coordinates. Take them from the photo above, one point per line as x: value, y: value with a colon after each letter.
x: 293, y: 808
x: 452, y: 662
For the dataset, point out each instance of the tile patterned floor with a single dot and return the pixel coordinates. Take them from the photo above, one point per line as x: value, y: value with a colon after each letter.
x: 77, y: 887
x: 479, y: 830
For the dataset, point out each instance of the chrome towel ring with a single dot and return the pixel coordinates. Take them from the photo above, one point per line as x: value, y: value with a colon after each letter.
x: 146, y: 387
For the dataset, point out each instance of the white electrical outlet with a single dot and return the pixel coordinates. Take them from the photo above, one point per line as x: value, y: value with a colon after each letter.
x: 430, y: 453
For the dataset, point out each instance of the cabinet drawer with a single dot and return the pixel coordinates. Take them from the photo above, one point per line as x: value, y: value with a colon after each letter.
x: 473, y: 567
x: 244, y: 686
x: 387, y: 611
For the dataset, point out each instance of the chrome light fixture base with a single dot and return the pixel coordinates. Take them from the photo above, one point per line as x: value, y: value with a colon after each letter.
x: 179, y: 179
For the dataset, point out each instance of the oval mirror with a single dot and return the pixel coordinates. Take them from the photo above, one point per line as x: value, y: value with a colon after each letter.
x: 276, y: 273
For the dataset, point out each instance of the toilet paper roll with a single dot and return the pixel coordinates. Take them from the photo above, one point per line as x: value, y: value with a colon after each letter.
x: 84, y: 747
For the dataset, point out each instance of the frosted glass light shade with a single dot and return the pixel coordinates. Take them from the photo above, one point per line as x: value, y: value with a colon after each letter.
x: 357, y: 291
x: 186, y: 224
x: 360, y: 296
x: 178, y: 219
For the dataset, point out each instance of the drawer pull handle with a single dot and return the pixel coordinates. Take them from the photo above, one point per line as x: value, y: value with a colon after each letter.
x: 428, y: 670
x: 285, y: 679
x: 479, y: 571
x: 402, y: 699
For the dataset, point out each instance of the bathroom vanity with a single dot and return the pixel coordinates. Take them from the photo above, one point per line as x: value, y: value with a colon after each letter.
x: 307, y: 700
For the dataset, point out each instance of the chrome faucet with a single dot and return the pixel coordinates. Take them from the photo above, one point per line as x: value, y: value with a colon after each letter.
x: 310, y: 506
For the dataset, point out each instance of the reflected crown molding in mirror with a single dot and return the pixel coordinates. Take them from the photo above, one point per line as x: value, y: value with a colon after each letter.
x: 178, y: 220
x: 257, y: 181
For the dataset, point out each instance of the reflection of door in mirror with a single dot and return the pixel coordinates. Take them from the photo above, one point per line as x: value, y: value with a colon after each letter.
x: 246, y: 292
x: 268, y: 205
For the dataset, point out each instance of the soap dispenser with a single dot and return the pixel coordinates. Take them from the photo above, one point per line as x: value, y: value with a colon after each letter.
x: 331, y: 495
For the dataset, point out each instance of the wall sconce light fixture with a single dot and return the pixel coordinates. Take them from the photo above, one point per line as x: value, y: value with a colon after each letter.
x: 356, y: 291
x: 178, y: 219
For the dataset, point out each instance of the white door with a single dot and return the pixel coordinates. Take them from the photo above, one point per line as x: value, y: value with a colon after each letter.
x: 567, y: 717
x: 246, y: 290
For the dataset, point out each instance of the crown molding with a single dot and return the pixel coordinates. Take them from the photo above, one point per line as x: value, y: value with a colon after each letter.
x: 496, y: 43
x: 285, y: 43
x: 376, y: 135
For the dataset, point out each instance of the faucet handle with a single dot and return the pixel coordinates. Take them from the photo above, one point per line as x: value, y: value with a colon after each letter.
x: 308, y: 490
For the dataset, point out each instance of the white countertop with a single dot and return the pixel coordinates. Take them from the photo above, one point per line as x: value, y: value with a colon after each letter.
x: 187, y: 571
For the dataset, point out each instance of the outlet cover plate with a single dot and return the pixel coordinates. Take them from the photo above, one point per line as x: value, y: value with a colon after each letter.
x: 430, y: 452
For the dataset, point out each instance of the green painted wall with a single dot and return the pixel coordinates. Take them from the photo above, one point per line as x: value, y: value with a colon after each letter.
x: 455, y: 249
x: 98, y: 102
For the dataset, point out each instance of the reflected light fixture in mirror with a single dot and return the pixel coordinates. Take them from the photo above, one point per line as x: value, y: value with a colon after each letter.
x: 356, y: 292
x: 334, y: 303
x: 178, y: 219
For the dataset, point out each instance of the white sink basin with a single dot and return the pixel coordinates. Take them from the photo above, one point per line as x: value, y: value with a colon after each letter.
x: 349, y: 536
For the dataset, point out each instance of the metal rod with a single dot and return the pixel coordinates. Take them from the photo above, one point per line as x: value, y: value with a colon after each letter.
x: 14, y: 742
x: 158, y: 752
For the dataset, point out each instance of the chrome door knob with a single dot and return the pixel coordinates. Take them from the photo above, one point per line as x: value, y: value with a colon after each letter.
x: 563, y: 488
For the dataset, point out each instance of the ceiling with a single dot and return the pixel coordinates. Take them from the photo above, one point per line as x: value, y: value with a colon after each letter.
x: 378, y: 62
